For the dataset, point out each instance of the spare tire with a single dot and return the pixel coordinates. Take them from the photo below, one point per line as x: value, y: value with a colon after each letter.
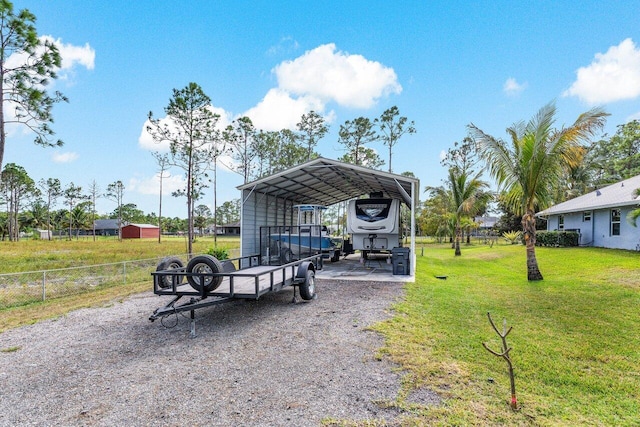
x: 169, y: 263
x: 205, y: 265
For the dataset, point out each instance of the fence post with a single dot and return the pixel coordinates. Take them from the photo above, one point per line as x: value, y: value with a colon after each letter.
x: 44, y: 285
x: 124, y: 272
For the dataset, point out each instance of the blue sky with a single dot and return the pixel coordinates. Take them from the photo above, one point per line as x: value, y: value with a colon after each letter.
x: 445, y: 64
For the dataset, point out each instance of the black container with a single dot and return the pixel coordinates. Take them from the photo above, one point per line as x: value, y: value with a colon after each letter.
x: 400, y: 261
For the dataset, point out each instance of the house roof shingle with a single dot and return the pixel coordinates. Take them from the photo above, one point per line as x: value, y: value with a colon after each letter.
x: 622, y: 193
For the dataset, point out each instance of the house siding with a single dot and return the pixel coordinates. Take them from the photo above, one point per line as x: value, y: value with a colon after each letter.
x: 574, y: 222
x: 597, y: 232
x: 621, y: 195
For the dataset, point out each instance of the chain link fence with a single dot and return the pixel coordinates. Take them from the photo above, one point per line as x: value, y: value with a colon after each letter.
x: 32, y: 286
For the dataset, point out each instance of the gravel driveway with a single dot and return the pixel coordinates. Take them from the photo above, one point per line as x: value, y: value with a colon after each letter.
x: 253, y: 363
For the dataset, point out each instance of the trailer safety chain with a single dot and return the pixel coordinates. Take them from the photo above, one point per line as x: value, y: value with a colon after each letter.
x: 175, y: 313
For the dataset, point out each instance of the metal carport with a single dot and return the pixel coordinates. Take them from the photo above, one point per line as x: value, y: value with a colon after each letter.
x: 268, y: 201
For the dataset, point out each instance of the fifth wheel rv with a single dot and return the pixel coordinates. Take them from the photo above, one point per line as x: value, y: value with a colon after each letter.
x: 374, y: 224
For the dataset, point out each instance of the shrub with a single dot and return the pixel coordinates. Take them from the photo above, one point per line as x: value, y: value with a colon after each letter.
x: 220, y: 253
x: 557, y: 238
x: 513, y: 236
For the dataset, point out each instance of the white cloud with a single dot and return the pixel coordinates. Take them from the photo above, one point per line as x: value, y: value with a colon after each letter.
x: 68, y: 157
x: 309, y: 82
x: 612, y: 76
x: 512, y: 88
x: 285, y: 45
x: 146, y: 142
x: 151, y: 185
x: 635, y: 116
x: 73, y: 55
x: 330, y: 75
x: 278, y: 110
x: 70, y: 57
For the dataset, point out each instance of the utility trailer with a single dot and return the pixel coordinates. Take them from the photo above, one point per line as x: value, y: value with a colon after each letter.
x: 206, y: 281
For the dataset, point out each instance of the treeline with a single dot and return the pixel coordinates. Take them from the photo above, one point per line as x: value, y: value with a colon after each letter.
x: 70, y: 210
x: 464, y: 195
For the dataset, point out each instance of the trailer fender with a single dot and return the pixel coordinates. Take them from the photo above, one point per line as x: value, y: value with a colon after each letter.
x: 305, y: 266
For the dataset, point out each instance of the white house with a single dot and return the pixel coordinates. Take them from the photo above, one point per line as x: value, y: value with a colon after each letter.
x: 600, y: 217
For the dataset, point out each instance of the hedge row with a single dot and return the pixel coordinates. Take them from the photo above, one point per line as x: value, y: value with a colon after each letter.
x: 557, y: 238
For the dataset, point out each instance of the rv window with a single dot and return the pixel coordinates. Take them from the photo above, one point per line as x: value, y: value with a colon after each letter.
x: 372, y: 210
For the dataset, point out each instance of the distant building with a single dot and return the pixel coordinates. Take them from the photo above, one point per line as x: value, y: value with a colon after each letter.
x: 44, y: 234
x: 600, y: 217
x: 106, y: 227
x: 232, y: 229
x: 486, y: 222
x: 140, y: 231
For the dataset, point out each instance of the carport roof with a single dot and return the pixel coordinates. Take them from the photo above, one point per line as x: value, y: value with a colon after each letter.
x: 325, y: 182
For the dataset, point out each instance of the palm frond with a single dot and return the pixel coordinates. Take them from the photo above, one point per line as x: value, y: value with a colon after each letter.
x: 632, y: 217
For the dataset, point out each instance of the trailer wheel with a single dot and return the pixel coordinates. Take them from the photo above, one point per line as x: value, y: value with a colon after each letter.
x: 308, y: 287
x: 204, y: 264
x: 169, y: 263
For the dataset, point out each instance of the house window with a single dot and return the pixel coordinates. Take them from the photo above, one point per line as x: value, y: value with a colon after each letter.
x: 615, y: 222
x: 560, y: 222
x: 586, y: 216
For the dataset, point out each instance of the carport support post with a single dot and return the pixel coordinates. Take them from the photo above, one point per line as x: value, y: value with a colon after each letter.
x: 413, y: 232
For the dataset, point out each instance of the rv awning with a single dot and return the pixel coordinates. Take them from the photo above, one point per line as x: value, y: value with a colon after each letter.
x: 325, y: 182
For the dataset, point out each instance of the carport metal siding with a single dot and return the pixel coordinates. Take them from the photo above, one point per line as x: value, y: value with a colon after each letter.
x: 268, y: 201
x: 258, y: 210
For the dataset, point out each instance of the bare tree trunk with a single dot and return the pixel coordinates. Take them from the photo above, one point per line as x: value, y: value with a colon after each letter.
x: 529, y: 229
x: 458, y: 237
x: 505, y: 355
x: 160, y: 210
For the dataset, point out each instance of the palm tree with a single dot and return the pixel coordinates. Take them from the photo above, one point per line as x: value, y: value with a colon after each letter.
x: 530, y: 165
x: 633, y: 216
x: 79, y: 218
x: 466, y: 194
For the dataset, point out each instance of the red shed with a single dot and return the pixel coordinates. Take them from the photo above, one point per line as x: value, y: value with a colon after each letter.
x: 140, y: 231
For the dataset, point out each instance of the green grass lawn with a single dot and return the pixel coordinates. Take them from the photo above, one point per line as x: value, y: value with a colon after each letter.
x: 35, y: 255
x: 575, y: 338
